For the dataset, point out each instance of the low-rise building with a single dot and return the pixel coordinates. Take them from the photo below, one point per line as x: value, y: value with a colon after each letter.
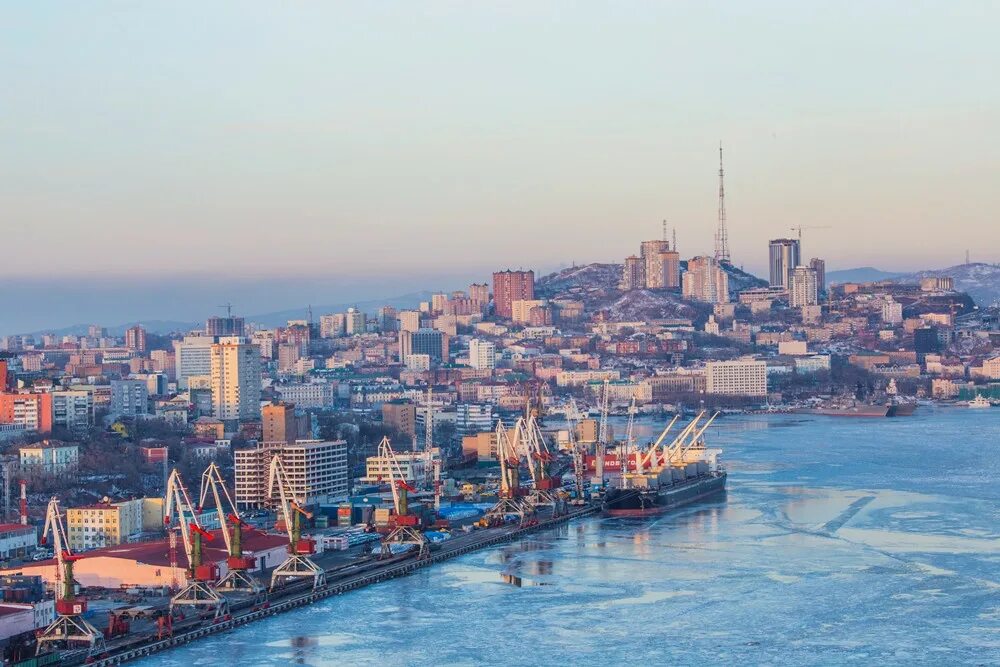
x: 50, y: 456
x: 739, y: 377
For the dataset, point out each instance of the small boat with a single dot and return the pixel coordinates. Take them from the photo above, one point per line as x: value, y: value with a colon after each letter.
x: 979, y: 402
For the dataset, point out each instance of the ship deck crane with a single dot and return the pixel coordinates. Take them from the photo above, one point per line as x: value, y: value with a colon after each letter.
x: 69, y: 627
x: 237, y: 579
x: 510, y: 501
x: 406, y: 531
x: 626, y: 446
x: 198, y: 592
x: 298, y: 565
x: 602, y: 439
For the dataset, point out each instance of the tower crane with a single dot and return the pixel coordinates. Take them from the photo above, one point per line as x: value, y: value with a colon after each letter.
x: 510, y: 499
x: 200, y: 575
x: 69, y: 627
x: 799, y: 228
x: 406, y: 531
x: 298, y: 565
x: 237, y: 579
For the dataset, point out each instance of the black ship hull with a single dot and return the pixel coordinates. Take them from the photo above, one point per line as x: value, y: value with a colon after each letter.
x: 648, y: 502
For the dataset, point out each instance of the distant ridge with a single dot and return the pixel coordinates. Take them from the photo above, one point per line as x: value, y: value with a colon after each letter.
x: 864, y: 274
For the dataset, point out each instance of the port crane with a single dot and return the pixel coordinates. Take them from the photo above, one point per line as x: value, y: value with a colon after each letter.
x: 577, y: 451
x: 538, y: 458
x: 198, y: 592
x: 406, y: 531
x: 511, y: 496
x: 298, y: 565
x: 601, y: 447
x: 69, y: 628
x: 625, y: 448
x: 237, y: 579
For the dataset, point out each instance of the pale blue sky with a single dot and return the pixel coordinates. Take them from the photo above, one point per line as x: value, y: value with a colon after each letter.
x: 261, y: 138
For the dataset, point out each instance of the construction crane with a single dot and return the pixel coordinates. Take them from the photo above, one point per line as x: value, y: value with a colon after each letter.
x: 576, y: 450
x: 406, y: 532
x: 298, y: 565
x: 237, y: 579
x: 69, y: 627
x: 799, y: 228
x: 198, y: 592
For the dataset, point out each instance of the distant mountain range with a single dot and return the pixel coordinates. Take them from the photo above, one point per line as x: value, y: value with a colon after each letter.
x: 864, y: 274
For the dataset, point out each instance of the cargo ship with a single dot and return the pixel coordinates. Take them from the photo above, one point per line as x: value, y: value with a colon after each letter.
x: 667, y: 476
x: 851, y: 410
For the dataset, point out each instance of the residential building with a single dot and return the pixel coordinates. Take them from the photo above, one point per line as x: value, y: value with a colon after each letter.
x: 803, y: 287
x: 473, y: 418
x: 332, y: 326
x: 400, y: 415
x: 51, y: 456
x: 103, y: 524
x: 784, y: 256
x: 17, y: 540
x: 235, y: 377
x: 670, y: 263
x: 739, y: 377
x: 409, y: 320
x: 308, y: 394
x: 521, y: 310
x: 355, y: 322
x: 415, y: 467
x: 73, y: 409
x: 129, y: 398
x: 892, y: 311
x: 705, y: 280
x: 510, y: 286
x: 633, y: 273
x: 278, y: 423
x: 135, y: 338
x: 652, y: 258
x: 819, y: 266
x: 30, y: 411
x: 482, y: 354
x: 479, y: 293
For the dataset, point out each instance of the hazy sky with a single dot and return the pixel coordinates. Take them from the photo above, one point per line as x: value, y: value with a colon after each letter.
x: 353, y: 138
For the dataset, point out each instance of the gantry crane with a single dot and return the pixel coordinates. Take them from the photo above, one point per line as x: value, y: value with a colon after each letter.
x: 298, y: 565
x: 511, y: 496
x: 198, y: 592
x: 237, y: 579
x: 405, y: 531
x: 539, y: 458
x: 69, y: 628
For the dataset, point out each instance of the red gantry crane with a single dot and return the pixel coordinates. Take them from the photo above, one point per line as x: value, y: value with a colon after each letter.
x: 69, y: 629
x: 298, y: 565
x: 406, y: 531
x: 237, y: 579
x: 198, y: 592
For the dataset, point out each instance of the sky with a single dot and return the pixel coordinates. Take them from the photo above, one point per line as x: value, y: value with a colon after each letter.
x: 227, y: 143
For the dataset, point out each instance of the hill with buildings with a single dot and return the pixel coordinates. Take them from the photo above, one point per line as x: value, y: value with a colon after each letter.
x: 979, y: 280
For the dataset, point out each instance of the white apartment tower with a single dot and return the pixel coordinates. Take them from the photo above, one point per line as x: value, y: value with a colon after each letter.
x: 803, y: 287
x: 482, y: 354
x: 235, y: 374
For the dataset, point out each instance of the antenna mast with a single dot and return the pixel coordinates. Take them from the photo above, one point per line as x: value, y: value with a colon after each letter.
x: 721, y: 235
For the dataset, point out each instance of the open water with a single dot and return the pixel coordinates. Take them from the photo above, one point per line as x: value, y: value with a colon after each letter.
x: 839, y: 542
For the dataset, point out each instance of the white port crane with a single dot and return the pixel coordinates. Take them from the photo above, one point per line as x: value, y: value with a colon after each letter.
x: 298, y: 565
x: 602, y: 438
x: 237, y: 578
x: 69, y: 628
x: 510, y: 501
x: 406, y: 533
x: 198, y: 592
x: 577, y: 451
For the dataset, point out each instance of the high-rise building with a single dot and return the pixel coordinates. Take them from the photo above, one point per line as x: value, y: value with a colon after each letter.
x: 802, y: 287
x: 4, y: 383
x: 431, y: 342
x: 479, y: 293
x: 278, y: 424
x: 437, y: 302
x: 892, y: 312
x: 482, y: 354
x: 192, y: 358
x: 225, y: 326
x: 706, y: 281
x: 387, y: 319
x: 73, y: 409
x: 316, y: 469
x: 235, y: 378
x: 135, y: 338
x: 670, y: 263
x: 633, y: 273
x: 819, y: 266
x: 784, y: 254
x: 400, y: 415
x: 510, y: 286
x: 651, y: 253
x: 288, y: 356
x: 409, y: 320
x: 332, y: 326
x: 354, y: 322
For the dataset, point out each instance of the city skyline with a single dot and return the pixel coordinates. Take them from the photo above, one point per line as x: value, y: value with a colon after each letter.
x: 280, y: 150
